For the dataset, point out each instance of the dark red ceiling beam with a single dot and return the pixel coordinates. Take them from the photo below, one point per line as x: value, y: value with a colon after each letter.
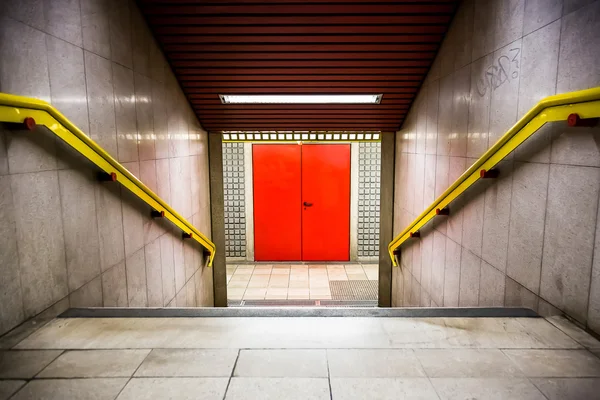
x: 383, y: 86
x: 290, y: 20
x: 226, y: 112
x: 277, y: 2
x: 305, y: 107
x: 349, y: 47
x: 339, y: 70
x: 299, y: 30
x: 417, y: 55
x: 304, y: 39
x: 295, y: 9
x: 303, y: 63
x: 295, y: 79
x: 311, y: 117
x: 389, y: 92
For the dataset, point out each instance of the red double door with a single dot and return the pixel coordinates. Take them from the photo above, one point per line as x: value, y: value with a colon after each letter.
x: 301, y: 202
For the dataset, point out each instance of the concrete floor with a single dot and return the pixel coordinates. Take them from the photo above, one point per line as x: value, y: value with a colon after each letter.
x: 263, y: 281
x: 303, y: 358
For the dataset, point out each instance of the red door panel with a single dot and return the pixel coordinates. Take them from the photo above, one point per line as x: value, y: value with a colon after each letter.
x: 277, y: 197
x: 326, y: 194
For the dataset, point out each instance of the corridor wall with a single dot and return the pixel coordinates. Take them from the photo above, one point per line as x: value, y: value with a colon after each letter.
x: 530, y: 238
x: 67, y: 240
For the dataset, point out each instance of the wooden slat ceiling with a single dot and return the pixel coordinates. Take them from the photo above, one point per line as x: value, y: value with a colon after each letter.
x: 304, y: 47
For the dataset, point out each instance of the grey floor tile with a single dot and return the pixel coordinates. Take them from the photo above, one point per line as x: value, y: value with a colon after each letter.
x: 569, y: 388
x: 25, y: 364
x: 62, y: 389
x: 282, y: 363
x: 174, y: 388
x: 556, y: 363
x: 278, y: 388
x: 376, y: 363
x: 382, y: 388
x: 184, y: 362
x: 574, y: 331
x: 486, y: 388
x: 466, y: 363
x: 95, y: 364
x: 7, y: 388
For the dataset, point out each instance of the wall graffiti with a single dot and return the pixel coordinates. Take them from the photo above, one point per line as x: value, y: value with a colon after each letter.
x: 505, y: 68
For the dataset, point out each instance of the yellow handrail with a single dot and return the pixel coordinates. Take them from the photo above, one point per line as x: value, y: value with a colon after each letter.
x: 18, y: 109
x: 585, y: 104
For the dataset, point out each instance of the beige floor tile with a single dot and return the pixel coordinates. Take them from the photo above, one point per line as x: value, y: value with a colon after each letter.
x: 24, y: 364
x: 568, y: 388
x: 299, y: 268
x: 320, y: 297
x: 255, y: 294
x: 280, y: 271
x: 556, y: 363
x: 357, y: 277
x: 374, y: 363
x: 354, y: 270
x: 243, y: 271
x: 7, y: 388
x: 237, y: 284
x: 298, y: 294
x: 235, y: 294
x: 316, y: 267
x: 299, y: 284
x: 487, y: 388
x: 276, y: 293
x: 295, y: 276
x: 382, y: 388
x: 335, y: 267
x: 282, y: 363
x: 467, y: 363
x: 258, y: 284
x: 262, y: 271
x: 317, y: 291
x: 188, y: 363
x: 319, y: 283
x: 240, y: 278
x: 278, y: 388
x: 279, y: 281
x: 338, y: 277
x: 95, y: 364
x: 175, y: 388
x: 62, y: 389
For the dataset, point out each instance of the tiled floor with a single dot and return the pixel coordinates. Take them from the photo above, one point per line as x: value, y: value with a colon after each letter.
x: 291, y: 281
x: 303, y: 358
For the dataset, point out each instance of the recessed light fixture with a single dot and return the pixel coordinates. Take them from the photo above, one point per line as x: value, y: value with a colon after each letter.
x: 300, y: 98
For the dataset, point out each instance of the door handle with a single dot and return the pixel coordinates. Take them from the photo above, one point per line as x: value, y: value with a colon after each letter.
x: 306, y: 204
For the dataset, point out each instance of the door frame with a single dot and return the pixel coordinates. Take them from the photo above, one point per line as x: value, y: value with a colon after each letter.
x: 249, y: 199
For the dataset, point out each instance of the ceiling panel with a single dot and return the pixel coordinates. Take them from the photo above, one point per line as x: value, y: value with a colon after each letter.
x: 304, y: 47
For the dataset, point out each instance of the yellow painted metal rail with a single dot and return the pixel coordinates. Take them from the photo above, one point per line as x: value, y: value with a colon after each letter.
x: 577, y: 108
x: 31, y: 112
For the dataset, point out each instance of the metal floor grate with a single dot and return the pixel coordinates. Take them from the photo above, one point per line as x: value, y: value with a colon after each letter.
x: 354, y: 290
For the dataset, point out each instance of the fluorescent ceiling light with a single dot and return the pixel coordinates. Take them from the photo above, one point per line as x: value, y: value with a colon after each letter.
x: 300, y: 99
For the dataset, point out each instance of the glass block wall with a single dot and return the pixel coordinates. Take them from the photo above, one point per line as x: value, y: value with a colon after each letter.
x: 368, y: 199
x: 235, y: 212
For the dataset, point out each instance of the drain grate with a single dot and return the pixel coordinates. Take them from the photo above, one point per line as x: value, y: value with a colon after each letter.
x: 354, y: 290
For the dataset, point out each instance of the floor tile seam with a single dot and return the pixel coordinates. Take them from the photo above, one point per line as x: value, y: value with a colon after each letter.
x: 328, y: 374
x: 566, y: 333
x: 47, y: 365
x: 426, y: 375
x: 231, y: 375
x: 133, y: 374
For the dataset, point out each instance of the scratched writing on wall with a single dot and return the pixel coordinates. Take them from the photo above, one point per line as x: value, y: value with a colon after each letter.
x: 504, y: 69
